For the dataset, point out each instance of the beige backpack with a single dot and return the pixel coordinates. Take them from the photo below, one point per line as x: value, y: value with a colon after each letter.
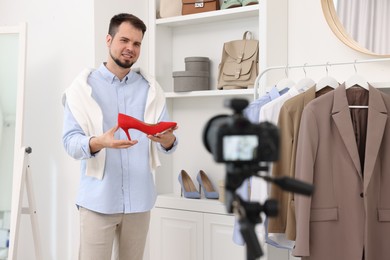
x: 239, y: 65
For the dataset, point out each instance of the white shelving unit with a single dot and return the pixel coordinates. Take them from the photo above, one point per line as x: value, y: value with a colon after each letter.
x: 171, y: 40
x: 209, y: 17
x: 203, y: 34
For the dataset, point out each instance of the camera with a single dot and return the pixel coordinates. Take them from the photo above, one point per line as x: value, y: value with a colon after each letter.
x: 247, y: 149
x: 235, y: 139
x: 244, y: 147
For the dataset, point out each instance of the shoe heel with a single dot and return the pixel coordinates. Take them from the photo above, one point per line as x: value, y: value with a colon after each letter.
x: 206, y: 185
x: 127, y: 134
x: 188, y: 189
x: 126, y: 130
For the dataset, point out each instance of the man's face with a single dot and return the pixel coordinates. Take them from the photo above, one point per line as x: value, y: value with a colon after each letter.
x: 125, y: 46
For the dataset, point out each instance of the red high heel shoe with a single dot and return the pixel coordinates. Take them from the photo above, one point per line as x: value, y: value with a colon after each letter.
x: 126, y: 122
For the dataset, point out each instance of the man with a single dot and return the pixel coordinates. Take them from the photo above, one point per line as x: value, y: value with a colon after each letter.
x: 117, y: 189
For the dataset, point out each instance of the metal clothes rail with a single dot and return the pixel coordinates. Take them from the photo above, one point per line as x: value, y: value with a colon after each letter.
x: 328, y: 64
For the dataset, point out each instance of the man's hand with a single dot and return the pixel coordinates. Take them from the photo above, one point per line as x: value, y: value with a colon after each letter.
x: 107, y: 140
x: 166, y: 139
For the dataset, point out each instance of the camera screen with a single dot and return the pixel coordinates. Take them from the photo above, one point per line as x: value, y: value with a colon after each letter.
x: 240, y: 147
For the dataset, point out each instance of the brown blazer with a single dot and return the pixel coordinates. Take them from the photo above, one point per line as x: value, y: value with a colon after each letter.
x: 347, y: 214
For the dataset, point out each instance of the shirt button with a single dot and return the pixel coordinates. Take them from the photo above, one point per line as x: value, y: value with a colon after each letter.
x: 361, y: 195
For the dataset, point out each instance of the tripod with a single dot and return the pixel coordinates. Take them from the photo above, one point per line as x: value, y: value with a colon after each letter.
x: 249, y: 213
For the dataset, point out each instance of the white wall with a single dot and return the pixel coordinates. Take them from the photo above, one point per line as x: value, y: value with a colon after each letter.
x: 104, y: 10
x: 61, y: 40
x: 311, y: 41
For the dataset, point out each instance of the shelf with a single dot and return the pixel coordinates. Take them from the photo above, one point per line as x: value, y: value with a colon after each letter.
x: 173, y: 201
x: 209, y: 93
x: 208, y: 17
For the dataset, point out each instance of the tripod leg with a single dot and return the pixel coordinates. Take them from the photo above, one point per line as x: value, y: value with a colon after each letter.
x: 248, y: 233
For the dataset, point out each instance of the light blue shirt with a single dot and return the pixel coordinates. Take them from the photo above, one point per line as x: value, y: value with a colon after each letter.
x: 128, y: 184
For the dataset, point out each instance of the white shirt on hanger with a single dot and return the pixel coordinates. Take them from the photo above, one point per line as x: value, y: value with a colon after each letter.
x: 269, y: 112
x: 259, y: 188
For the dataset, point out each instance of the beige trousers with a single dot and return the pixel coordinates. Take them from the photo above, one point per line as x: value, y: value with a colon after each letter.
x: 99, y: 231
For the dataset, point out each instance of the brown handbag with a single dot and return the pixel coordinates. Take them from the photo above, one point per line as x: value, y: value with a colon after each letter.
x: 239, y: 63
x: 199, y: 6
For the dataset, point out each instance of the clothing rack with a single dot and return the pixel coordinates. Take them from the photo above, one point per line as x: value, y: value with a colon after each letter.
x: 328, y: 64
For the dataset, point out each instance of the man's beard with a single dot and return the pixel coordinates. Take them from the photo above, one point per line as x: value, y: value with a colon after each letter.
x: 125, y: 65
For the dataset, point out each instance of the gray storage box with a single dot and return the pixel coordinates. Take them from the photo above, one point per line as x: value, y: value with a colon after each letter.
x: 190, y: 80
x: 197, y: 64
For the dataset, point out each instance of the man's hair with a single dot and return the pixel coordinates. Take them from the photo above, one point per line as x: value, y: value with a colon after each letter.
x: 118, y: 19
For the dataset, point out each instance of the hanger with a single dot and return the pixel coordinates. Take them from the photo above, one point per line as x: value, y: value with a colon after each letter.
x: 304, y: 83
x: 285, y: 83
x: 327, y: 81
x: 356, y: 79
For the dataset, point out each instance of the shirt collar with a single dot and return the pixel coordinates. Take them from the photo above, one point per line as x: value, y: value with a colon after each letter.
x: 274, y: 93
x: 109, y: 76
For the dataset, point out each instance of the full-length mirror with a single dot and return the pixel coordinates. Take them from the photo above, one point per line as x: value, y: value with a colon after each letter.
x: 12, y: 51
x: 363, y: 25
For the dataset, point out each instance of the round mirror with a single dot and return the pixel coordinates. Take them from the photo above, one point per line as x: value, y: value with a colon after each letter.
x: 363, y: 25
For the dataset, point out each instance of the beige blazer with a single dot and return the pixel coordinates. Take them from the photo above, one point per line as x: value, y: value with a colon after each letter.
x: 347, y: 213
x: 288, y: 124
